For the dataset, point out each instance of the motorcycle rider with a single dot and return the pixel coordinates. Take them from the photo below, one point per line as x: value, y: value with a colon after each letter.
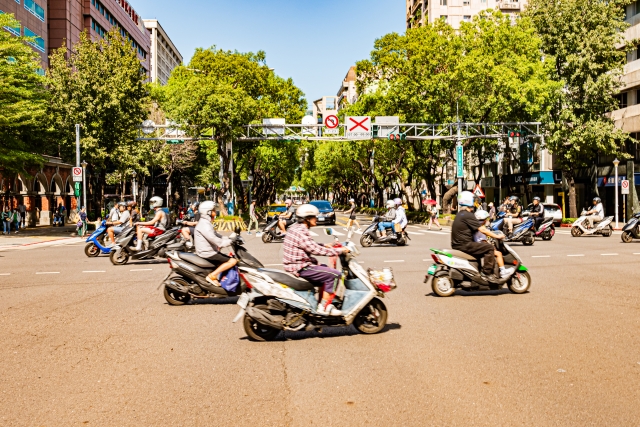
x: 462, y: 232
x: 297, y: 258
x: 208, y: 242
x: 388, y: 217
x: 123, y: 220
x: 189, y: 224
x: 286, y: 219
x: 514, y: 213
x: 537, y: 212
x: 401, y: 215
x: 484, y: 218
x: 597, y: 213
x: 132, y: 207
x: 156, y: 226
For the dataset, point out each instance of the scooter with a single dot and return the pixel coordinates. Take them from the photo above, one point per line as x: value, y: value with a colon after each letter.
x: 170, y: 240
x: 277, y: 301
x: 580, y: 228
x: 188, y: 276
x: 95, y: 243
x: 631, y: 229
x: 523, y: 232
x: 457, y: 270
x: 271, y: 231
x: 546, y: 230
x: 370, y: 235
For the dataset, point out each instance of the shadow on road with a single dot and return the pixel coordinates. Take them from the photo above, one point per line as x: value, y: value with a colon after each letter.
x: 462, y: 293
x: 327, y: 332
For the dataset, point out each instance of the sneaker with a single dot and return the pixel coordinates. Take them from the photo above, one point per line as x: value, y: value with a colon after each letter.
x: 248, y: 232
x: 359, y: 228
x: 329, y: 310
x: 489, y: 277
x: 505, y: 272
x: 344, y: 228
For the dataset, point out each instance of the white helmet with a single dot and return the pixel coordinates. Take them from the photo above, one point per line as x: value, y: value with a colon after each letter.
x: 155, y: 202
x: 466, y: 198
x: 306, y: 211
x: 206, y: 207
x: 391, y: 204
x: 351, y: 200
x: 482, y: 215
x: 397, y: 201
x: 288, y: 202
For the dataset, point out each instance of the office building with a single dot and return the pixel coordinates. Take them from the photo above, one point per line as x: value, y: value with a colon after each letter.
x: 420, y: 12
x: 347, y: 94
x: 164, y: 55
x: 33, y: 16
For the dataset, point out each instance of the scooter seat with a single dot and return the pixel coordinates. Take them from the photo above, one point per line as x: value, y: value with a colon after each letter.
x: 297, y: 283
x: 460, y: 254
x: 196, y: 260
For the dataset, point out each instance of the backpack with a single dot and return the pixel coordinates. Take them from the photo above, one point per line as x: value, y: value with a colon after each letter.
x: 230, y: 279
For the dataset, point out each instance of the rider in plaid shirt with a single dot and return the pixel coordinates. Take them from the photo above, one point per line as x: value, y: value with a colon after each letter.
x: 297, y: 250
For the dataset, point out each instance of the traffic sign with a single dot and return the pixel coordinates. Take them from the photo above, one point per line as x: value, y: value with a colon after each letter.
x: 478, y: 191
x: 77, y: 174
x: 76, y: 189
x: 624, y: 186
x: 459, y: 153
x: 331, y: 121
x: 358, y: 127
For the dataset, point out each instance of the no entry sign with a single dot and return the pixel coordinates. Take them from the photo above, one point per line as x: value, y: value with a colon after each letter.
x: 77, y: 174
x: 624, y: 186
x: 359, y: 127
x: 331, y: 121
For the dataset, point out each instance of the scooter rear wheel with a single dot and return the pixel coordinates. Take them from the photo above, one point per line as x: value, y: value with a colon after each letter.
x: 372, y: 318
x: 267, y: 237
x: 443, y: 286
x: 91, y: 250
x: 256, y: 330
x: 366, y: 241
x: 174, y: 297
x: 547, y: 235
x: 607, y: 232
x: 529, y: 239
x: 627, y: 237
x: 119, y: 257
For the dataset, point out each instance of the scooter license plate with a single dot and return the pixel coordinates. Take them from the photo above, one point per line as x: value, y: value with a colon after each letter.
x: 320, y: 218
x: 243, y: 301
x: 432, y: 269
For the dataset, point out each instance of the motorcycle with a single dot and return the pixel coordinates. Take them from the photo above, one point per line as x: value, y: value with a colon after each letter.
x: 457, y: 270
x: 188, y: 276
x: 631, y: 229
x: 603, y: 228
x: 271, y: 231
x: 523, y: 232
x: 370, y: 235
x: 95, y: 242
x: 546, y: 230
x: 156, y: 247
x: 277, y: 301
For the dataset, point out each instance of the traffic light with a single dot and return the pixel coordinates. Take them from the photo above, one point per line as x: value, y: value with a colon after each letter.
x: 397, y: 136
x: 515, y: 134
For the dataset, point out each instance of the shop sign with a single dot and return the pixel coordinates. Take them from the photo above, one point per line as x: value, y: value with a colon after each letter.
x: 537, y: 178
x: 610, y: 181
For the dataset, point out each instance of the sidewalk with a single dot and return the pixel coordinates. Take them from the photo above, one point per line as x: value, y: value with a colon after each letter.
x: 39, y: 236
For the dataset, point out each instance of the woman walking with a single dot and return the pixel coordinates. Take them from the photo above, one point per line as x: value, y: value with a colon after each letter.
x: 433, y: 210
x: 352, y: 216
x: 5, y: 217
x: 253, y: 219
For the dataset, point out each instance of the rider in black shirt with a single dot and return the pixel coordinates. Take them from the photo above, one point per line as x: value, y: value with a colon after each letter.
x: 537, y: 211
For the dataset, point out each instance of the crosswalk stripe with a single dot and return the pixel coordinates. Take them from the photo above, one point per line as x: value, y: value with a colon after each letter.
x: 413, y: 232
x: 313, y: 233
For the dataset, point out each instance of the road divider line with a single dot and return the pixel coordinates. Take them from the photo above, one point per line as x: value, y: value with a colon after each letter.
x: 636, y: 253
x: 5, y: 274
x: 141, y: 269
x: 414, y: 233
x: 47, y: 272
x: 395, y: 260
x: 540, y: 256
x: 435, y: 232
x: 608, y: 254
x: 273, y: 265
x: 576, y: 255
x: 94, y: 271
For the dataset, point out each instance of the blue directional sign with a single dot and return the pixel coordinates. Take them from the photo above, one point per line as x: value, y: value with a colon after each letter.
x: 459, y: 161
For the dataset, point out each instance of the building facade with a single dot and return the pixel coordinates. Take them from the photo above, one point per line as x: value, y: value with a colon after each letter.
x: 347, y: 94
x: 33, y: 16
x: 421, y: 12
x: 164, y: 54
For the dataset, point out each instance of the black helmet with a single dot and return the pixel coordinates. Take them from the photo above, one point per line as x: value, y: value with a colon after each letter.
x: 536, y: 198
x: 597, y: 199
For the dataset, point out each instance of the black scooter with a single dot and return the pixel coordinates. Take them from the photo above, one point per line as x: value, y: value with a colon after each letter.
x: 370, y: 235
x: 631, y: 229
x: 271, y: 231
x: 188, y: 276
x: 157, y: 247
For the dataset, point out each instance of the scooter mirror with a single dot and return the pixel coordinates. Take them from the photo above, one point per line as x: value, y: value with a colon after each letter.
x: 328, y: 231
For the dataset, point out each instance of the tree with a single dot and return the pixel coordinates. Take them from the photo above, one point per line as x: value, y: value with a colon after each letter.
x: 100, y: 86
x: 22, y: 100
x: 582, y: 38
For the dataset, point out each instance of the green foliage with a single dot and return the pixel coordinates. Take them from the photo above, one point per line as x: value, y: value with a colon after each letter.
x: 22, y: 100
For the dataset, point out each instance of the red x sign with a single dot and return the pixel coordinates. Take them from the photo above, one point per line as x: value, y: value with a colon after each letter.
x: 358, y: 127
x: 358, y: 123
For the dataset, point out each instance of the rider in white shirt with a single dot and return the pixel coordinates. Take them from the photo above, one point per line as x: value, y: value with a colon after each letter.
x: 597, y: 213
x: 401, y: 216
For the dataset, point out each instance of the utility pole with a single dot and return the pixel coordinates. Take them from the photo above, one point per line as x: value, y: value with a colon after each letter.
x: 459, y: 154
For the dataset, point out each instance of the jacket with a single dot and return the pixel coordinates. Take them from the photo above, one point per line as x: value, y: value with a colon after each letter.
x: 401, y: 217
x: 390, y: 215
x: 207, y: 241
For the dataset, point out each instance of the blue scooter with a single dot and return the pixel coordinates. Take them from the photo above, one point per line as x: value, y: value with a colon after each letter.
x: 95, y: 243
x: 523, y: 232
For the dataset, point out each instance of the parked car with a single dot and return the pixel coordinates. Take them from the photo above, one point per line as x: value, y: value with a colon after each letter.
x: 275, y: 209
x: 550, y: 210
x: 327, y: 214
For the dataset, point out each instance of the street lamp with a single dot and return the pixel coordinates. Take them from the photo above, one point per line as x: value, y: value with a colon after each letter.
x: 84, y: 183
x: 134, y: 189
x: 616, y: 162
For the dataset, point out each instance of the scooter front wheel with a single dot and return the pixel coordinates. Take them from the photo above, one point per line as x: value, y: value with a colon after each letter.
x: 267, y: 237
x: 575, y: 232
x: 627, y: 237
x: 91, y: 250
x: 366, y: 241
x: 372, y: 318
x: 520, y: 282
x: 119, y: 257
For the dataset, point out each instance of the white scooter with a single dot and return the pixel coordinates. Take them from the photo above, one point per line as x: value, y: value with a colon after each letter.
x: 580, y: 226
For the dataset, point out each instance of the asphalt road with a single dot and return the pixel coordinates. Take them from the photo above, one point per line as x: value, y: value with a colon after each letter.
x: 88, y: 343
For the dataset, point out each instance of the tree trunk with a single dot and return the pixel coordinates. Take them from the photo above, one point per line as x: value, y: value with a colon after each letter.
x: 447, y: 199
x: 573, y: 209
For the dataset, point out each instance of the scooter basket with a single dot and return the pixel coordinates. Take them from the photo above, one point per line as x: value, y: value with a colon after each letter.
x: 383, y: 279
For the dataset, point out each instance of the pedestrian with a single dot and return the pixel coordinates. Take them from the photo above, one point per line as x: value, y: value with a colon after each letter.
x: 252, y: 216
x: 83, y: 220
x: 352, y: 216
x: 492, y: 211
x: 434, y: 210
x: 6, y: 220
x: 15, y: 216
x: 23, y: 214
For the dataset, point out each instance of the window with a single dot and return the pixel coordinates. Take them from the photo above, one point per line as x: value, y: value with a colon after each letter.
x: 466, y: 18
x: 13, y: 30
x: 466, y: 2
x: 622, y: 100
x: 38, y: 42
x: 35, y: 9
x: 443, y: 2
x: 444, y: 17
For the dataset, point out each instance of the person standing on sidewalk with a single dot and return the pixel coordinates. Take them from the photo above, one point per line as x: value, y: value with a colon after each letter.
x: 252, y: 216
x: 83, y: 219
x: 15, y: 218
x: 5, y: 217
x: 23, y: 214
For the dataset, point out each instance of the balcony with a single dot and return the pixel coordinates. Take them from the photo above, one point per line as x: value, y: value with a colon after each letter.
x: 509, y: 5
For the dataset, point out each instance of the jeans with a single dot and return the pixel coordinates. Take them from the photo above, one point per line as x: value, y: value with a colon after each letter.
x: 321, y: 274
x: 253, y: 220
x: 6, y: 227
x: 383, y: 225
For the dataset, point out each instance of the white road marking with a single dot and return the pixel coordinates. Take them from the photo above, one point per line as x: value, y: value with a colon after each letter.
x: 358, y: 232
x: 141, y: 269
x: 47, y: 272
x: 414, y: 233
x: 94, y: 271
x: 576, y: 255
x: 436, y: 232
x: 636, y: 253
x: 5, y: 274
x: 314, y: 234
x: 540, y: 256
x: 396, y: 260
x: 273, y: 265
x: 428, y: 259
x: 608, y: 254
x: 337, y: 233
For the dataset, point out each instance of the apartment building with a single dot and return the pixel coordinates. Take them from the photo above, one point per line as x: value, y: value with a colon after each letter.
x: 164, y: 54
x: 420, y: 12
x: 33, y: 16
x: 347, y: 94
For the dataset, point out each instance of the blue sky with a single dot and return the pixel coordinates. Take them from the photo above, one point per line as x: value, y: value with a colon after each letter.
x: 312, y: 41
